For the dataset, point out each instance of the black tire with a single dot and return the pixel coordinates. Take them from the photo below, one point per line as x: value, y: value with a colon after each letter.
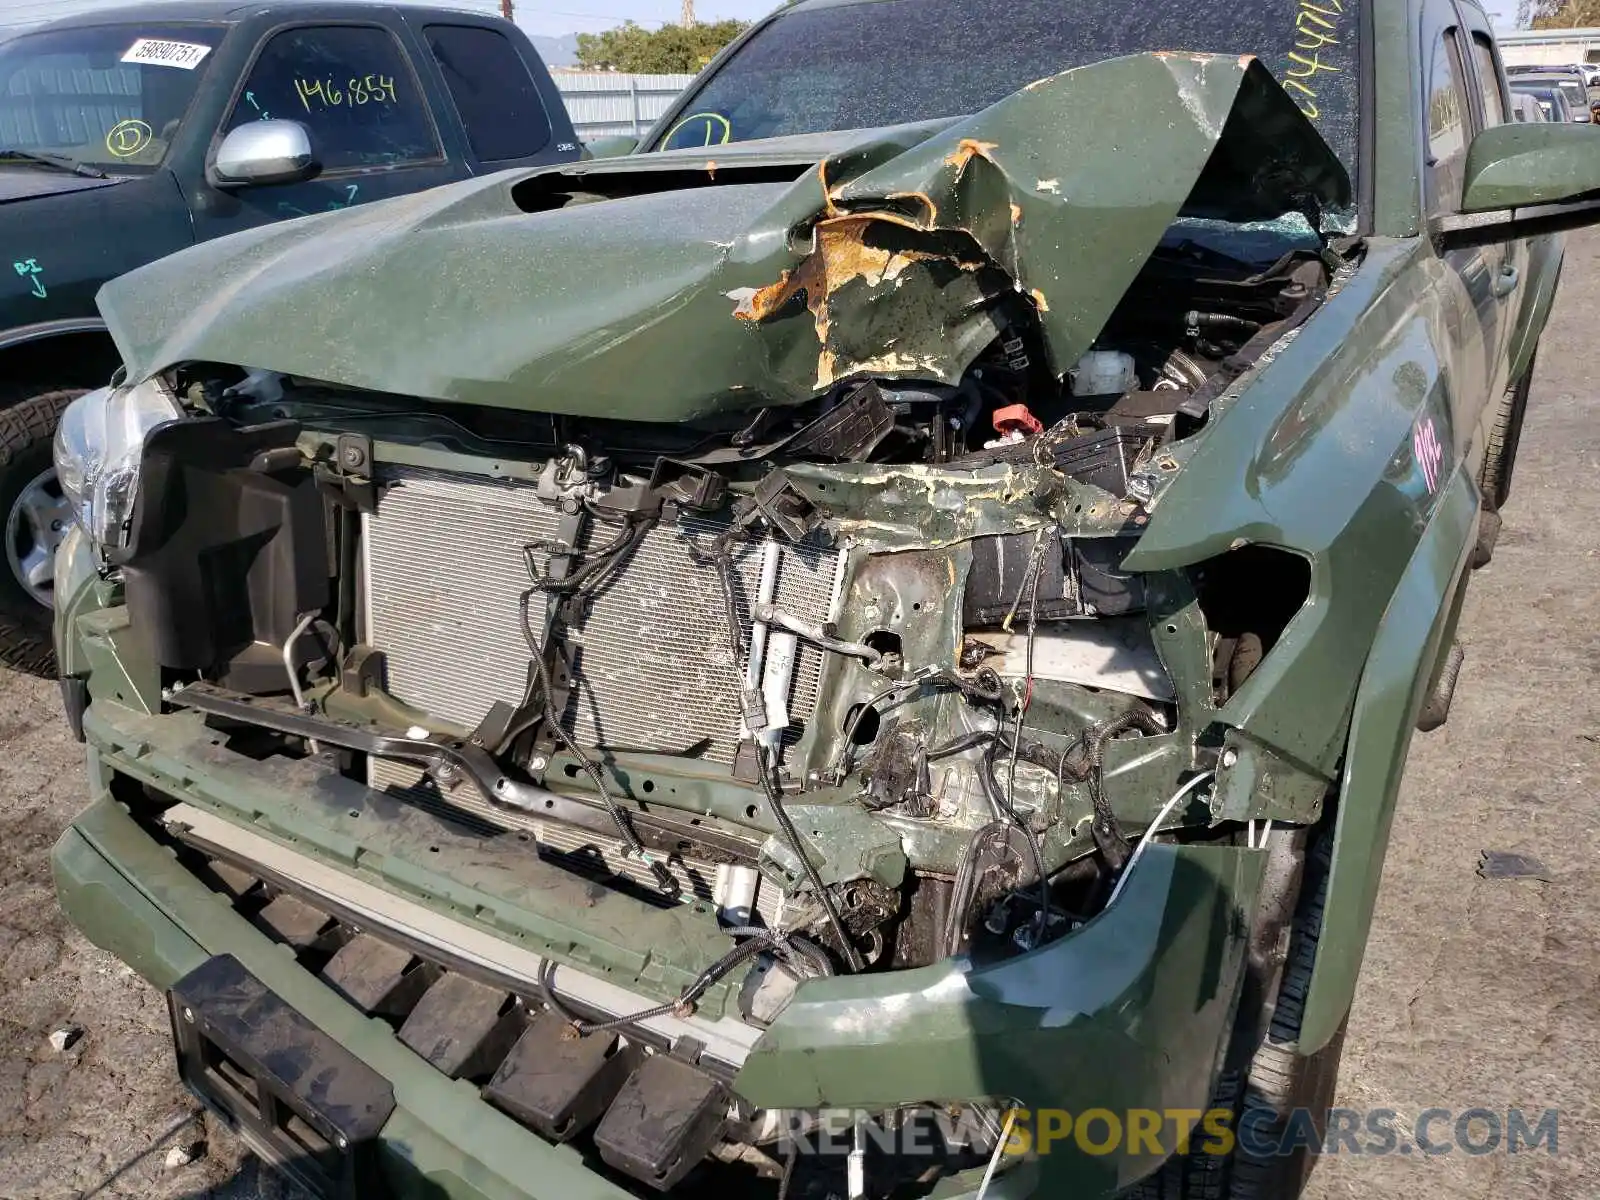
x: 1489, y: 524
x: 1436, y: 708
x: 1500, y: 456
x: 1277, y: 1083
x: 28, y: 418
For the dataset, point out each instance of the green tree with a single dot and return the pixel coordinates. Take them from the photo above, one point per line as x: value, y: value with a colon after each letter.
x: 670, y: 50
x: 1558, y: 14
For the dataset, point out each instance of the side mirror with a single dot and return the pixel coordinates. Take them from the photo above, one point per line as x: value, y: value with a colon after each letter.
x: 1527, y: 179
x: 264, y: 152
x: 1518, y: 166
x: 610, y: 147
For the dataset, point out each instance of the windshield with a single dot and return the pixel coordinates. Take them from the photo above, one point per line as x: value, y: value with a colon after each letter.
x: 888, y: 62
x: 111, y: 96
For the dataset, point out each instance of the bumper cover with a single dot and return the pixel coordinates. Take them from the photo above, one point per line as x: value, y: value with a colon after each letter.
x: 1127, y: 1013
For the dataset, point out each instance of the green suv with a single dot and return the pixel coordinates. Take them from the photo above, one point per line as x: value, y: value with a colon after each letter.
x: 864, y: 649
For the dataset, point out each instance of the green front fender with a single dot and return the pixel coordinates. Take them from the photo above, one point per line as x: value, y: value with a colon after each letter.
x: 1125, y: 1015
x: 1545, y: 259
x: 1416, y: 630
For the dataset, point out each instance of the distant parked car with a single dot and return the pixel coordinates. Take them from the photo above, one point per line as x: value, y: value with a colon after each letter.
x: 1526, y: 107
x: 1557, y: 101
x: 1582, y: 95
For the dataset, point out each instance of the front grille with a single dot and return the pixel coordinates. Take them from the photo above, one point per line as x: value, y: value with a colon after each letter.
x: 575, y: 850
x: 444, y: 573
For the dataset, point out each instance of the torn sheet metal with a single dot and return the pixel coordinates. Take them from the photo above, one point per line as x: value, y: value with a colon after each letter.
x: 1115, y: 654
x: 659, y: 288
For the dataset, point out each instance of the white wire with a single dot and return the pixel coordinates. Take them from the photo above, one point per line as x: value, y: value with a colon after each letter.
x: 1000, y: 1149
x: 1266, y: 832
x: 1150, y: 831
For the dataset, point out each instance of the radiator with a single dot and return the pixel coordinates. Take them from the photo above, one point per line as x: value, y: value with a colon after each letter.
x: 444, y: 570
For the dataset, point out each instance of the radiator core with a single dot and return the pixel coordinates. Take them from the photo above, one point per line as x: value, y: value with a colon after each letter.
x: 445, y: 569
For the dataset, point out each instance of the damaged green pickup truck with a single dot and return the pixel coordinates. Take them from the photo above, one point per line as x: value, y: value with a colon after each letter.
x: 865, y: 649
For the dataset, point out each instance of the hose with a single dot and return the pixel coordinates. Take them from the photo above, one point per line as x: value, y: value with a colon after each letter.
x: 664, y: 879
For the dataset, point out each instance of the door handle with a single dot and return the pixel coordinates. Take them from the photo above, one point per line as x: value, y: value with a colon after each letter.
x: 1506, y: 282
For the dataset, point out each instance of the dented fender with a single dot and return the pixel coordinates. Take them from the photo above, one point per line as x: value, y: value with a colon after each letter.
x: 1147, y: 989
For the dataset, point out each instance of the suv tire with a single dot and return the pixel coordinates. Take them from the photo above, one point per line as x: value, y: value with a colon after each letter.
x: 1500, y: 456
x: 28, y: 417
x: 1277, y: 1084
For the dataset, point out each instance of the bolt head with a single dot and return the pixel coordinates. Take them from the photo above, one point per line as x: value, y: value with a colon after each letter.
x: 188, y: 1015
x: 1229, y: 757
x: 341, y: 1141
x: 538, y: 762
x: 354, y: 456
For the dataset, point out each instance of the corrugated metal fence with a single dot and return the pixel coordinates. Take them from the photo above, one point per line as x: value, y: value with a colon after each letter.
x: 607, y: 103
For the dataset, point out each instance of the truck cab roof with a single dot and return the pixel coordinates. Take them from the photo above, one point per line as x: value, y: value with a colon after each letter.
x: 228, y: 12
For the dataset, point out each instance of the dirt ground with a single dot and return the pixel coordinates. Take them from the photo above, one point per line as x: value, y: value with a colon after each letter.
x: 1476, y: 993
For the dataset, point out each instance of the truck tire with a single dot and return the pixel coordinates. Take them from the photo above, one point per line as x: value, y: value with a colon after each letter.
x: 1281, y: 1098
x: 32, y: 520
x: 1494, y: 477
x: 1282, y: 1086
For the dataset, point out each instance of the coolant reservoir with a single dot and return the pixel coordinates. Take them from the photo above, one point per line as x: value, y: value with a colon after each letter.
x: 1103, y: 373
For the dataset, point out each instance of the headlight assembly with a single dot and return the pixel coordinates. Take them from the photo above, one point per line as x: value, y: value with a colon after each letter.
x: 97, y: 451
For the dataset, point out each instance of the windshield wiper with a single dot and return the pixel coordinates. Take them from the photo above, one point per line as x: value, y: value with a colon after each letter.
x: 59, y: 161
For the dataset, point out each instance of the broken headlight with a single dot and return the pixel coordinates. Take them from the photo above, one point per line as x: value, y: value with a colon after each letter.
x: 97, y: 450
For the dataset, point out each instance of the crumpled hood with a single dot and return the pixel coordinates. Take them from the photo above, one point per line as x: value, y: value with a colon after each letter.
x: 671, y: 286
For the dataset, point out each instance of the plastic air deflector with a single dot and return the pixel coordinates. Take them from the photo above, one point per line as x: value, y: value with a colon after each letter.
x: 667, y: 1118
x: 559, y: 1083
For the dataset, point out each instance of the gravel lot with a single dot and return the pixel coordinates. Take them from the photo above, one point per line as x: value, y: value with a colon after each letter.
x: 1476, y: 993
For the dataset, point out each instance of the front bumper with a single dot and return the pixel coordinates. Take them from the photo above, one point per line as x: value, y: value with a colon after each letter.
x: 1128, y: 1013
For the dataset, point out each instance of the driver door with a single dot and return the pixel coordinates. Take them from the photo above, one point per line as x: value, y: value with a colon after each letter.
x: 372, y: 129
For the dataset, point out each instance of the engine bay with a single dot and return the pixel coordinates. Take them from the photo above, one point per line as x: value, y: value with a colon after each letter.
x: 862, y: 681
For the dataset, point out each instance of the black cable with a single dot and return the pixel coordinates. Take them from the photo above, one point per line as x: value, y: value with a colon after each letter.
x: 841, y: 761
x: 769, y: 783
x: 1108, y: 835
x: 664, y: 879
x: 596, y: 565
x: 785, y: 947
x: 960, y: 745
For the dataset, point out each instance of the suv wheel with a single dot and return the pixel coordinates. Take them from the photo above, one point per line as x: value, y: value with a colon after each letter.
x: 35, y: 517
x: 1494, y: 477
x: 1277, y: 1092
